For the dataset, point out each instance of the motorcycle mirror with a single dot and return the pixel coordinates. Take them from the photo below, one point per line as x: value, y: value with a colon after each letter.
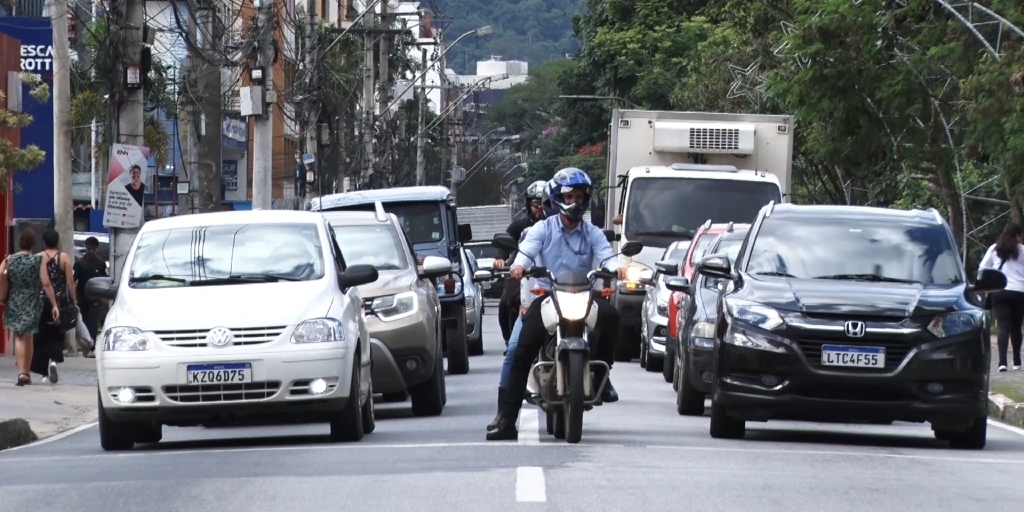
x: 505, y: 241
x: 631, y: 248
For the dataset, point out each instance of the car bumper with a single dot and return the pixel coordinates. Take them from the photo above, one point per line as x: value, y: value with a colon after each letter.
x: 403, y: 352
x: 471, y: 323
x: 279, y: 389
x: 630, y: 308
x: 657, y: 329
x: 808, y: 392
x: 700, y: 364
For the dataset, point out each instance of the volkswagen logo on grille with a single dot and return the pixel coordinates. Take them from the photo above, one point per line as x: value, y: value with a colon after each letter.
x: 220, y: 337
x: 855, y: 329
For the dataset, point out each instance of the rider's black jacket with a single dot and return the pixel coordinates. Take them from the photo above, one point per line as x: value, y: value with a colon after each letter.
x: 515, y: 230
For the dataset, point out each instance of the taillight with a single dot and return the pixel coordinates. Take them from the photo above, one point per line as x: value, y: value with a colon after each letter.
x: 672, y: 309
x: 538, y: 291
x: 449, y: 285
x: 607, y: 292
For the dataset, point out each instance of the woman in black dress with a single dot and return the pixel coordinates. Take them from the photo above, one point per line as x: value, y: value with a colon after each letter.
x: 49, y: 342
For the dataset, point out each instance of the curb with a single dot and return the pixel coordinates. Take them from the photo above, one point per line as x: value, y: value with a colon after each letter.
x: 15, y: 432
x: 1005, y: 410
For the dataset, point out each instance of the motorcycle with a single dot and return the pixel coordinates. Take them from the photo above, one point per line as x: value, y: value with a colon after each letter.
x: 561, y: 381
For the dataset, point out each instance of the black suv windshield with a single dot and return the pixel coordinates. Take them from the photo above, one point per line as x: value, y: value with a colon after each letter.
x: 662, y: 206
x: 263, y: 252
x: 371, y: 245
x: 809, y: 247
x: 421, y: 221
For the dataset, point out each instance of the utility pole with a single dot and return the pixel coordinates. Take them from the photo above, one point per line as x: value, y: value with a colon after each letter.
x: 312, y: 111
x: 368, y: 104
x: 62, y: 193
x: 131, y: 119
x: 207, y: 196
x: 421, y: 159
x: 443, y: 107
x: 263, y: 136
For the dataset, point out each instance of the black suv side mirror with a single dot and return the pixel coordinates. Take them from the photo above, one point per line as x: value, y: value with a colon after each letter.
x: 989, y: 280
x: 668, y: 267
x: 715, y: 266
x: 357, y: 275
x: 678, y: 284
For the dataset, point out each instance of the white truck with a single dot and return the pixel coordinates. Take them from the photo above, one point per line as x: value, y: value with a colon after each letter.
x: 669, y: 172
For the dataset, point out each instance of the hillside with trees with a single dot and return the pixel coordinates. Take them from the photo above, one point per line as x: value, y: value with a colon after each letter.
x: 535, y: 31
x: 896, y: 102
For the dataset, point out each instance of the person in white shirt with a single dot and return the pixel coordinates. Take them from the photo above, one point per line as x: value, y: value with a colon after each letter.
x: 1007, y: 256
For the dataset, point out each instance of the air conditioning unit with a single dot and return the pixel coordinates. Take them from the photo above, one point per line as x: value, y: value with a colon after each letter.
x: 691, y: 137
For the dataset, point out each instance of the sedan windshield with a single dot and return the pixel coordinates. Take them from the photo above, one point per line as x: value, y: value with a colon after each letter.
x: 227, y: 254
x: 371, y: 245
x: 669, y: 207
x: 856, y: 250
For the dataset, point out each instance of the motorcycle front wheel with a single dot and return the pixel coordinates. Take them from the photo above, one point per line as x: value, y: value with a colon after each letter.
x: 574, y: 405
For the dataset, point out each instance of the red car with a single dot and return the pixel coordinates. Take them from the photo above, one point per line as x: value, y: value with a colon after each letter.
x: 702, y: 239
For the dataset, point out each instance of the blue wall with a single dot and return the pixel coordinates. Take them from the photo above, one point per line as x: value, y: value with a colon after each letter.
x: 33, y: 196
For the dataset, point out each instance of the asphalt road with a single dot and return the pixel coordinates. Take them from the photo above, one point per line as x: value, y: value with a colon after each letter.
x: 636, y: 454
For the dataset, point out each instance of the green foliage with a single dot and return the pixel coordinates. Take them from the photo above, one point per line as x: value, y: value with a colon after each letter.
x: 535, y: 31
x: 17, y: 159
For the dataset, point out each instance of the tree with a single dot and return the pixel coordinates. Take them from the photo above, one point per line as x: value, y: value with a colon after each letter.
x: 17, y: 159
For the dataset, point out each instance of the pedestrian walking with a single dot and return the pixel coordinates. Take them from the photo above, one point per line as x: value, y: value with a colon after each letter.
x: 1008, y: 304
x: 49, y: 342
x: 23, y: 283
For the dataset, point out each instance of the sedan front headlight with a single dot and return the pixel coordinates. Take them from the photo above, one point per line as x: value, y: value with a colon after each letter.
x: 395, y: 307
x: 319, y: 330
x: 125, y: 339
x: 573, y: 305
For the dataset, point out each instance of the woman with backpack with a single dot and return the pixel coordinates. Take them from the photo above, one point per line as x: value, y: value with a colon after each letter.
x: 1008, y: 304
x: 49, y: 342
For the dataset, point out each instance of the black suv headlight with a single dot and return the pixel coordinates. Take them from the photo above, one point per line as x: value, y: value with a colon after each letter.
x: 955, y: 323
x: 752, y: 313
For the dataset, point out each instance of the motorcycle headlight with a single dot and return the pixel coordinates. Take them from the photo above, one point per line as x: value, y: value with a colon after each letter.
x: 319, y: 330
x: 953, y: 324
x: 573, y: 305
x: 125, y: 339
x: 394, y: 307
x: 755, y: 314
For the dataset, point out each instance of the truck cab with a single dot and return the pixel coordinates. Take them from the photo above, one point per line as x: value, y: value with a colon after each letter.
x: 428, y: 216
x: 675, y: 170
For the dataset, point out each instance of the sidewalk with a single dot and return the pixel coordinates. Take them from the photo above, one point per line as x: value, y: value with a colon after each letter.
x: 1006, y: 391
x: 41, y: 410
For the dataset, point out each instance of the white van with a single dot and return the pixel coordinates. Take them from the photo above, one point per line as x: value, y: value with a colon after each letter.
x: 233, y: 318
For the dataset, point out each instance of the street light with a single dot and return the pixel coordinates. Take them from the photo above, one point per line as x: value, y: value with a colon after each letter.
x: 595, y: 97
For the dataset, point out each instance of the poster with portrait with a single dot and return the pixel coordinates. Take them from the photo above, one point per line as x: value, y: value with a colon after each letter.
x: 126, y: 187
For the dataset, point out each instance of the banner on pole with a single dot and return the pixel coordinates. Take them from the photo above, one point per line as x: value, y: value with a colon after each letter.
x: 125, y: 189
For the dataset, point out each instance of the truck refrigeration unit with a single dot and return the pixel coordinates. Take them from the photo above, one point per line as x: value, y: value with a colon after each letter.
x: 675, y: 170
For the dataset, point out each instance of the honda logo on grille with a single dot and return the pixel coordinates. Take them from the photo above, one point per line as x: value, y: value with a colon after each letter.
x: 855, y: 329
x: 219, y: 337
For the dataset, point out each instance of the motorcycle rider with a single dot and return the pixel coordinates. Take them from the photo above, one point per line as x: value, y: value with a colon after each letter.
x: 565, y: 243
x: 508, y: 306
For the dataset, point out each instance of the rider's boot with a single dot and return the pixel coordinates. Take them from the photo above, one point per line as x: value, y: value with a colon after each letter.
x: 497, y: 417
x: 506, y: 429
x: 608, y: 394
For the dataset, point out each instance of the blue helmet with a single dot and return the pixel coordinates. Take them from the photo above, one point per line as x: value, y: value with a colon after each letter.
x: 549, y: 209
x: 566, y: 180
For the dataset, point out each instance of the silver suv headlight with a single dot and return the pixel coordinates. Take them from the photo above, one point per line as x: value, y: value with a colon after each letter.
x: 395, y: 307
x: 319, y: 330
x: 125, y: 339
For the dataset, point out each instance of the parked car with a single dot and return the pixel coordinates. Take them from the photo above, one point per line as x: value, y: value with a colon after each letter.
x: 474, y: 305
x: 694, y: 345
x: 654, y: 329
x: 844, y: 313
x: 233, y: 317
x: 403, y: 313
x: 428, y: 217
x: 485, y: 255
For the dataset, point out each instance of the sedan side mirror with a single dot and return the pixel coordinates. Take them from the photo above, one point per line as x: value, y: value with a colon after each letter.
x: 989, y: 280
x: 505, y: 242
x: 357, y: 275
x: 715, y: 266
x: 678, y: 284
x: 101, y: 288
x: 482, y: 275
x: 435, y: 266
x: 668, y: 267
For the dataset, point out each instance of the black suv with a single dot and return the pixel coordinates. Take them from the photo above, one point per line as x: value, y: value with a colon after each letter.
x: 694, y: 350
x: 842, y: 313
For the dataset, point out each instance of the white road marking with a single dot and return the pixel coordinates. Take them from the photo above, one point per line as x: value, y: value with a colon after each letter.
x: 1006, y: 427
x: 530, y: 484
x: 53, y: 438
x: 529, y: 427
